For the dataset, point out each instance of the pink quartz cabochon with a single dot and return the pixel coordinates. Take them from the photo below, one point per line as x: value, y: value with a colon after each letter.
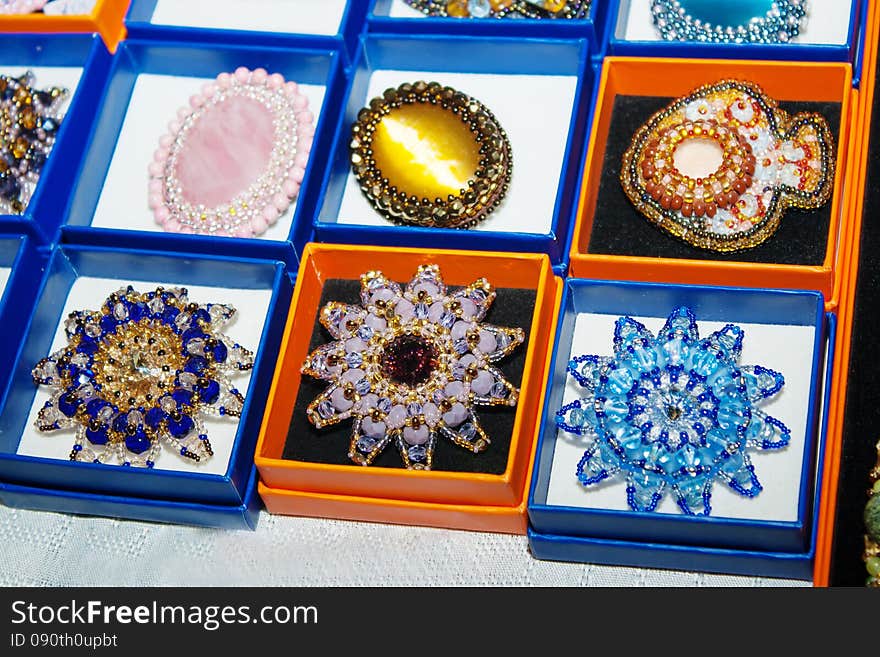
x: 226, y: 150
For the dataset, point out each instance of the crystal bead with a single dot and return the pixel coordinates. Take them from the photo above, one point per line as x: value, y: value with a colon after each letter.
x: 326, y: 410
x: 182, y: 321
x: 366, y: 444
x: 499, y: 390
x: 417, y: 453
x: 187, y: 380
x: 156, y: 305
x: 196, y: 347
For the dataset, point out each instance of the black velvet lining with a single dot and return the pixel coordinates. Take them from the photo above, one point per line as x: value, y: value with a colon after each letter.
x: 512, y: 308
x: 861, y: 427
x: 619, y: 229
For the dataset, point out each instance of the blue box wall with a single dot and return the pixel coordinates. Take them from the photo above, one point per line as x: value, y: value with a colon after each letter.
x: 139, y: 24
x: 241, y: 516
x: 43, y: 214
x: 593, y: 28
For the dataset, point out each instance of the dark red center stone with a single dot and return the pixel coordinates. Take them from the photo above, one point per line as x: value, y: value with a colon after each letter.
x: 409, y: 360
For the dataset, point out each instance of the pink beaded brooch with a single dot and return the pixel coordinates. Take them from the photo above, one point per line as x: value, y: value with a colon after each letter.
x: 233, y: 161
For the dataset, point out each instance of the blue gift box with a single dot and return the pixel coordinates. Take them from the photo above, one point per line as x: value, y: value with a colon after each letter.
x: 189, y: 59
x: 234, y: 516
x: 140, y: 25
x: 801, y: 49
x: 455, y: 57
x: 772, y: 547
x: 22, y: 265
x: 70, y: 266
x: 382, y: 19
x: 64, y: 53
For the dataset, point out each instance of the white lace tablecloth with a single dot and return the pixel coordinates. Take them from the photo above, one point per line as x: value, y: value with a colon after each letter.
x: 48, y: 549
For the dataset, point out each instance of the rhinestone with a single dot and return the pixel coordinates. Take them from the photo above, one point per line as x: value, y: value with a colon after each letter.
x: 409, y: 360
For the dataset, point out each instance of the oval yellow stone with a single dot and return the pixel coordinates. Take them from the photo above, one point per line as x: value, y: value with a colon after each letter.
x: 425, y: 151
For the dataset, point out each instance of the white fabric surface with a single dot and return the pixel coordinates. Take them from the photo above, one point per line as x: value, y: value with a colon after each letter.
x: 49, y: 549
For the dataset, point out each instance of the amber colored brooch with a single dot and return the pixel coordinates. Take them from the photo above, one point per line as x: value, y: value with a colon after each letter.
x: 719, y: 167
x: 410, y: 366
x: 428, y: 155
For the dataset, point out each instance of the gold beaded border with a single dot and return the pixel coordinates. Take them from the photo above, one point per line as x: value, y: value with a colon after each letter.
x: 782, y: 125
x: 485, y: 191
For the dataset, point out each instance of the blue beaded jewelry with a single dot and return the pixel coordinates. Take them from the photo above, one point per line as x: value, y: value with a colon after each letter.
x: 673, y: 412
x: 746, y: 21
x: 29, y: 122
x: 141, y: 371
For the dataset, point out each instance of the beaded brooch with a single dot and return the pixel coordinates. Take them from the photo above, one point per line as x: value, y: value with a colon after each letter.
x: 29, y: 122
x: 410, y: 365
x: 673, y: 413
x: 21, y: 6
x: 69, y: 7
x: 139, y: 372
x: 428, y: 155
x: 233, y: 161
x: 872, y: 526
x: 566, y: 9
x: 751, y: 21
x: 719, y: 167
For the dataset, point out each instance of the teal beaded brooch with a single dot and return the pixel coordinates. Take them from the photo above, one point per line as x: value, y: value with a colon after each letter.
x: 674, y: 412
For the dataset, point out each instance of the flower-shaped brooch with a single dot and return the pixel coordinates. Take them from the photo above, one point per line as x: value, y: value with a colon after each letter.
x: 139, y: 372
x: 410, y: 365
x: 29, y: 122
x: 673, y: 413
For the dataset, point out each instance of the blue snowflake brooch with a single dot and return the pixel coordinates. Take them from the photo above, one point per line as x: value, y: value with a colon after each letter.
x: 142, y: 371
x: 673, y: 412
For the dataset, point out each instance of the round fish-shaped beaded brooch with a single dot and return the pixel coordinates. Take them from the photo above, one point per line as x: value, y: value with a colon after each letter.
x: 719, y: 167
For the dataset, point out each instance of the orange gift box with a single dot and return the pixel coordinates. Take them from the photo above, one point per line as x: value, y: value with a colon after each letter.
x: 107, y: 18
x: 861, y: 135
x: 673, y: 78
x: 464, y: 500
